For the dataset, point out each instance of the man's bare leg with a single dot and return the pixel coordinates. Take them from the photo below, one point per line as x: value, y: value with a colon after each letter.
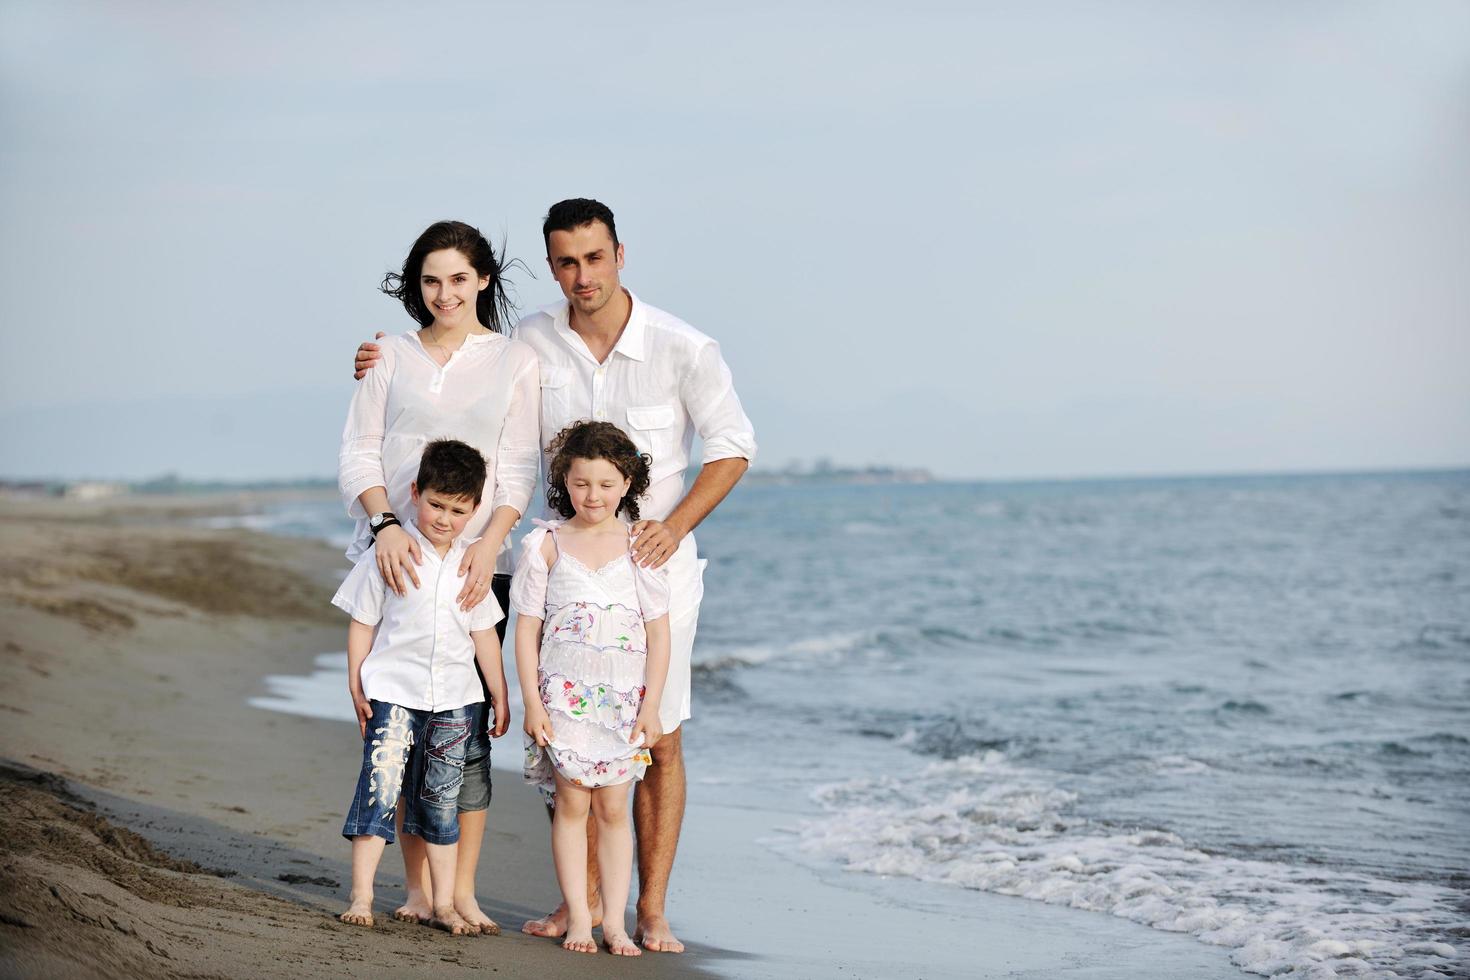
x: 471, y: 834
x: 553, y: 925
x: 416, y: 906
x: 658, y: 814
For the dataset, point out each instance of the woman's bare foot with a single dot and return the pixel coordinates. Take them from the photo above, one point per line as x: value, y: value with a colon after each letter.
x: 619, y: 944
x: 656, y: 936
x: 415, y: 909
x: 553, y: 925
x: 359, y: 912
x: 449, y: 920
x: 469, y: 910
x: 579, y: 940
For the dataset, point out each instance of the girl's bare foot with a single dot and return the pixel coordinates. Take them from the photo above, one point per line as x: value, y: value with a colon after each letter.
x: 619, y: 944
x: 449, y: 920
x: 579, y: 941
x: 415, y: 909
x: 553, y: 925
x: 656, y: 936
x: 359, y: 913
x: 469, y: 910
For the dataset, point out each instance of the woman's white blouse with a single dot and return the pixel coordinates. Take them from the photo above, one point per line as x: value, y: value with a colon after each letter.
x: 488, y: 396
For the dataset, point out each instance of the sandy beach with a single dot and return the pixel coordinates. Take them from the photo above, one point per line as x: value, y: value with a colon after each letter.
x: 160, y: 826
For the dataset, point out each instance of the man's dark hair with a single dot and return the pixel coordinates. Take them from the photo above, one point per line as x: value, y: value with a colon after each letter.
x: 453, y: 469
x: 595, y: 440
x: 574, y: 213
x: 493, y: 307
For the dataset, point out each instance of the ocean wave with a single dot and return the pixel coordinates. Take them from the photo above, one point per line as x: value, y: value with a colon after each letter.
x: 981, y: 822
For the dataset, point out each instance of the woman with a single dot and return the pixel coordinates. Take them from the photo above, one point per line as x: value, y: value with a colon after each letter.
x: 457, y: 376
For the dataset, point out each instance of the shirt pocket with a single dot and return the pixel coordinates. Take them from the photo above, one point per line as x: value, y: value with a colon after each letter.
x: 653, y: 429
x: 556, y: 396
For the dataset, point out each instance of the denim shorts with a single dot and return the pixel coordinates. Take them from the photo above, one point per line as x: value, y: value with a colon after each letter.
x: 475, y: 793
x: 418, y: 755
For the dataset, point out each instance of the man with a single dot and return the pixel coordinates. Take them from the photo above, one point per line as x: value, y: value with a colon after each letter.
x: 607, y: 355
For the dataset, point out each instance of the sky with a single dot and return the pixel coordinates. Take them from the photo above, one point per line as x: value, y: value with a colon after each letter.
x: 995, y: 240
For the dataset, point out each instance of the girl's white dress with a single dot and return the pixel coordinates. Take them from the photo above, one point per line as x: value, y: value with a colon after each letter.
x: 593, y: 653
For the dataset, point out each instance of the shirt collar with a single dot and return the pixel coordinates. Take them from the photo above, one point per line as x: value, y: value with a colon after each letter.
x: 630, y: 344
x: 458, y: 545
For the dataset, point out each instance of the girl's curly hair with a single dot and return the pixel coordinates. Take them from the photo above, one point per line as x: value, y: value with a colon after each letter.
x: 595, y: 440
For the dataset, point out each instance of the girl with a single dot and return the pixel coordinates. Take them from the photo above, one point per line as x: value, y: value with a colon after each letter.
x: 456, y: 376
x: 592, y: 653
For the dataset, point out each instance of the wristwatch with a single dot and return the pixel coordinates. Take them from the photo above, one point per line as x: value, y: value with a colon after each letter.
x: 377, y: 522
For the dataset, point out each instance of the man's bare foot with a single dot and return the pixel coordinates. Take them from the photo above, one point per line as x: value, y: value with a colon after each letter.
x: 553, y: 925
x: 449, y: 920
x: 656, y: 936
x: 579, y: 940
x: 469, y: 910
x: 359, y: 913
x: 415, y: 909
x: 619, y: 944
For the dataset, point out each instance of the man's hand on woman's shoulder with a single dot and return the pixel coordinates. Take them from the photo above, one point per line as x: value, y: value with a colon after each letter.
x: 367, y: 355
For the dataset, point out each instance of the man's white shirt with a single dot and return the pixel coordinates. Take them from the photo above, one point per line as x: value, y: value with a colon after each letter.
x: 422, y: 656
x: 663, y: 382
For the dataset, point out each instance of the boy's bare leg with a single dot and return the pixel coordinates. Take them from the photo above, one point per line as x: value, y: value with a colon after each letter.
x: 615, y: 852
x: 366, y: 852
x: 442, y: 860
x: 471, y: 834
x: 416, y: 906
x: 658, y: 812
x: 553, y: 925
x: 569, y: 851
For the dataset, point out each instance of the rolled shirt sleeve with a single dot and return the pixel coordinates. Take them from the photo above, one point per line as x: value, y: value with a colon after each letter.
x: 519, y: 451
x: 486, y: 614
x: 362, y: 592
x: 708, y: 392
x: 360, y: 460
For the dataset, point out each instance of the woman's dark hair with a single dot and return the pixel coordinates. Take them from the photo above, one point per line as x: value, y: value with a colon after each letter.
x: 493, y: 308
x: 574, y: 213
x: 452, y: 468
x: 595, y: 440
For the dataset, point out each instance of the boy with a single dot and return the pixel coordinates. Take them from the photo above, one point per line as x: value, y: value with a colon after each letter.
x: 414, y: 686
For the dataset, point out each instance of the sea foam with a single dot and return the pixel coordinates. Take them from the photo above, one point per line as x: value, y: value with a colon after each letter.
x: 980, y: 822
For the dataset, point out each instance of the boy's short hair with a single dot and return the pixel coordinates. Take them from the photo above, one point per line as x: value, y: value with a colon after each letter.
x: 450, y: 467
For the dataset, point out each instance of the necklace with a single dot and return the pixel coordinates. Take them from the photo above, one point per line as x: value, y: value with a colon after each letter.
x: 434, y: 342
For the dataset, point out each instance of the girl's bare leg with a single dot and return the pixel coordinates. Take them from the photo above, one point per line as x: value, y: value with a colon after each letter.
x: 569, y: 851
x: 615, y: 856
x: 553, y: 924
x: 471, y: 833
x: 366, y: 852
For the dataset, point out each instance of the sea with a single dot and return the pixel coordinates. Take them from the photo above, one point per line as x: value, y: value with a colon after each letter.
x: 1236, y: 708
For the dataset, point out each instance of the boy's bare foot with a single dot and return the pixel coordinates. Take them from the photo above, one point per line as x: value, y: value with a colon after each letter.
x: 359, y: 913
x: 579, y: 941
x: 415, y: 909
x: 469, y: 910
x: 656, y: 936
x: 553, y: 925
x: 619, y: 944
x: 449, y: 920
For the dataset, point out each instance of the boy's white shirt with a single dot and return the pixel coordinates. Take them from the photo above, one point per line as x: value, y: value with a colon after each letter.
x: 422, y: 657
